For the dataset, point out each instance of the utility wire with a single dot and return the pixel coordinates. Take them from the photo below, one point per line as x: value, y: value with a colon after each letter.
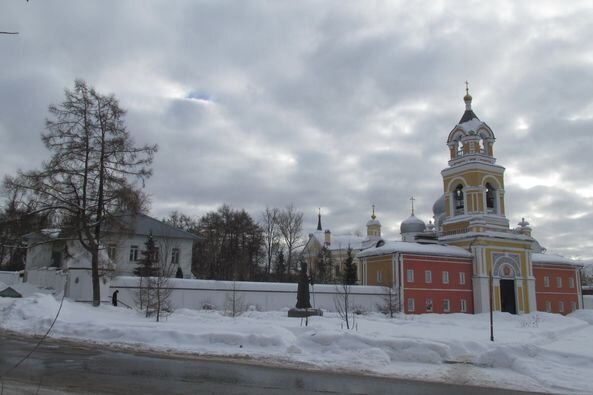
x: 39, y: 342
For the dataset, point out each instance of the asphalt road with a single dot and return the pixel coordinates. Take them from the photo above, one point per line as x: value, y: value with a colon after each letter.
x: 59, y: 367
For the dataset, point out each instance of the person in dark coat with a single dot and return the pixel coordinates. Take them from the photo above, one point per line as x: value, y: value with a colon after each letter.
x: 114, y: 298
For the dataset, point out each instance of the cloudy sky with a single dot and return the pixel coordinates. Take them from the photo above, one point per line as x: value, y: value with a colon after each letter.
x: 338, y: 105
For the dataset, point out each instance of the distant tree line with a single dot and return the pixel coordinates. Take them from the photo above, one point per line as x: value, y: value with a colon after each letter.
x: 234, y: 246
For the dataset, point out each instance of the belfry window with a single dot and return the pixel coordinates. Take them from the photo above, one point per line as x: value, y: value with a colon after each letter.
x: 490, y: 198
x: 459, y: 199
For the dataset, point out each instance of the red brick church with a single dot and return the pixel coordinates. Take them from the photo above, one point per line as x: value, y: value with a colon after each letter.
x: 470, y: 255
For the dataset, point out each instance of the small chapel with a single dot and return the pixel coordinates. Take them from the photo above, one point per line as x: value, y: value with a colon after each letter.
x: 470, y: 258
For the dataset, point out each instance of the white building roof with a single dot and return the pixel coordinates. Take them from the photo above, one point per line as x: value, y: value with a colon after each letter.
x: 391, y: 247
x: 549, y: 259
x: 490, y: 234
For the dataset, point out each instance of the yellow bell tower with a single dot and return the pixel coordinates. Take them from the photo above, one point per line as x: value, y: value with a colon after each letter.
x: 474, y: 218
x: 473, y: 183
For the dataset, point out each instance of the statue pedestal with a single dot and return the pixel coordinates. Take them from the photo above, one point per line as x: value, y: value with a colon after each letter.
x: 301, y: 313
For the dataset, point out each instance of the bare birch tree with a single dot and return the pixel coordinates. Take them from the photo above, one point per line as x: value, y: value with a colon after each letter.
x: 88, y: 179
x: 271, y: 235
x: 290, y: 224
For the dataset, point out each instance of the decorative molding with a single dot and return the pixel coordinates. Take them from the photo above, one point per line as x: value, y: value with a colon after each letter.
x: 504, y: 263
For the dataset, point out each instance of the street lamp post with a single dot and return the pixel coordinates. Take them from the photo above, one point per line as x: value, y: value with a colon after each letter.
x: 490, y: 279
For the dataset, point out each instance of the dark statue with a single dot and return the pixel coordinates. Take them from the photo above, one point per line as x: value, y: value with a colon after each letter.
x: 303, y: 296
x: 303, y: 307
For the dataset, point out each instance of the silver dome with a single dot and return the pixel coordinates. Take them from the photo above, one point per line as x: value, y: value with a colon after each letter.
x: 412, y: 225
x: 438, y: 207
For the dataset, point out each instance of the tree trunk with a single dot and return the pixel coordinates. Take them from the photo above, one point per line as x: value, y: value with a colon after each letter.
x: 95, y: 276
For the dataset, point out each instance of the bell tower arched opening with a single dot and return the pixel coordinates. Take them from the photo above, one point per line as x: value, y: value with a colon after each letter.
x: 458, y: 198
x: 491, y: 202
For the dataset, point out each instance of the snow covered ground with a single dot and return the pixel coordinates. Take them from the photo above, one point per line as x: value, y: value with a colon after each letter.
x: 540, y: 351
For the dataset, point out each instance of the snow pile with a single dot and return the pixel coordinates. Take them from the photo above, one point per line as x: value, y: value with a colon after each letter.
x: 540, y: 351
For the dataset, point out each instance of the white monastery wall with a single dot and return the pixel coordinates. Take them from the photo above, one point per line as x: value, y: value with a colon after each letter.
x: 79, y: 282
x: 195, y: 294
x: 10, y: 278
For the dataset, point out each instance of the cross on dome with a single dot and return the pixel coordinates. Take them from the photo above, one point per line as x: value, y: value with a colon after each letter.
x: 467, y: 98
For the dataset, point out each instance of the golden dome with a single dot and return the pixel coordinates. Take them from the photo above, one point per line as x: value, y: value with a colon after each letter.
x: 467, y: 96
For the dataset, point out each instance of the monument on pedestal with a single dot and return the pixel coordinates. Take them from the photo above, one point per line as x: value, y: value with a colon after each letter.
x: 303, y: 307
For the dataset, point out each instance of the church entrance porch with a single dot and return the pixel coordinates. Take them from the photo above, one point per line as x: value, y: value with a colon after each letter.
x: 507, y: 296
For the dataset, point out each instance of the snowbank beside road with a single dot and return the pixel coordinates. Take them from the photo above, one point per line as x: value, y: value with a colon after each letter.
x: 540, y: 351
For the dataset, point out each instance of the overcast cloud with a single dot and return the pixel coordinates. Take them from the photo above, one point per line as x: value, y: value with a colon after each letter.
x: 338, y: 105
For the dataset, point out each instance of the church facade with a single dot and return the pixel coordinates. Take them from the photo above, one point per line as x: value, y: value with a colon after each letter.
x: 470, y: 257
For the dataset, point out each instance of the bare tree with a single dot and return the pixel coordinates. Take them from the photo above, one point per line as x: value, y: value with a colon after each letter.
x: 233, y: 303
x: 271, y: 235
x: 342, y: 299
x: 390, y: 303
x: 182, y: 221
x: 155, y: 270
x: 290, y: 224
x: 87, y: 180
x: 160, y: 282
x: 342, y: 303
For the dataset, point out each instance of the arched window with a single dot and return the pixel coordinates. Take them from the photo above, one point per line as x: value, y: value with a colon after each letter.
x: 459, y: 199
x: 481, y: 146
x: 490, y: 198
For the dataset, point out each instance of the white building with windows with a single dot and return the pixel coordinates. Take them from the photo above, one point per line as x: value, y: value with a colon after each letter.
x: 123, y: 246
